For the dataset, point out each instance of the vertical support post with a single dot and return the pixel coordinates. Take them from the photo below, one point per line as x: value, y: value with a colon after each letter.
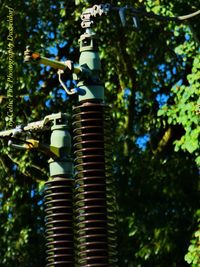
x: 58, y: 199
x: 94, y: 236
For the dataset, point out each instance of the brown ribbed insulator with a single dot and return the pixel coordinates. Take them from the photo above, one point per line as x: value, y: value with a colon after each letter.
x: 59, y: 222
x: 95, y: 231
x: 110, y: 191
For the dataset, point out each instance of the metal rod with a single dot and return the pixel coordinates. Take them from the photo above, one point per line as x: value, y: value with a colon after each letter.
x: 52, y: 63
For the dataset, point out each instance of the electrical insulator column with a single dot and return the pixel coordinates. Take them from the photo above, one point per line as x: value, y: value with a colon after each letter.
x: 58, y: 199
x: 95, y: 231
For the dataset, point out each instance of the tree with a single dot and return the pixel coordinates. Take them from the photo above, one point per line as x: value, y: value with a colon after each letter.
x: 152, y: 84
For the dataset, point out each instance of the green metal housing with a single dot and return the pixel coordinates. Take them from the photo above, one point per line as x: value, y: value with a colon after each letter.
x: 89, y: 59
x: 61, y: 139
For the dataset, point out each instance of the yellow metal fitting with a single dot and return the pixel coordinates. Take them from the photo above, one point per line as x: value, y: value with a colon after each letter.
x: 31, y: 144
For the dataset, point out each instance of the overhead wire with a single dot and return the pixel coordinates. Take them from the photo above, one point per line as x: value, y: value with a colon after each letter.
x: 151, y: 14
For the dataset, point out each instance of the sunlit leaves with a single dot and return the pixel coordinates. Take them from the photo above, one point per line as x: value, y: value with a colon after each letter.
x: 193, y: 255
x: 185, y: 110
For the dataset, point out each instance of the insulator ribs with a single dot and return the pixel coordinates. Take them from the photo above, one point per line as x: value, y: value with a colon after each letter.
x: 95, y: 231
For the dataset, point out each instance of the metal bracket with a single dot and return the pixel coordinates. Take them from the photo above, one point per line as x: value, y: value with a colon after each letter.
x: 73, y: 91
x: 36, y: 126
x: 87, y: 15
x: 60, y: 162
x: 99, y: 10
x: 63, y: 67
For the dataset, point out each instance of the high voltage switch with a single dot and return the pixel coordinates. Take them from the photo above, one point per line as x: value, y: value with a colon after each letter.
x: 80, y: 202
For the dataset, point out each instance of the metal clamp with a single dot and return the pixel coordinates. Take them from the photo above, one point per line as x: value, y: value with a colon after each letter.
x: 36, y: 126
x: 73, y: 91
x: 96, y: 10
x: 99, y: 10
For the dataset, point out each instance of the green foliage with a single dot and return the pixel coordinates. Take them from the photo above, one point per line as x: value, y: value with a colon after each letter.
x: 185, y: 109
x: 152, y: 78
x: 193, y: 255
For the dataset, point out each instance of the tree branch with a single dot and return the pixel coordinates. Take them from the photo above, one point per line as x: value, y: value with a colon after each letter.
x: 131, y: 73
x: 163, y: 142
